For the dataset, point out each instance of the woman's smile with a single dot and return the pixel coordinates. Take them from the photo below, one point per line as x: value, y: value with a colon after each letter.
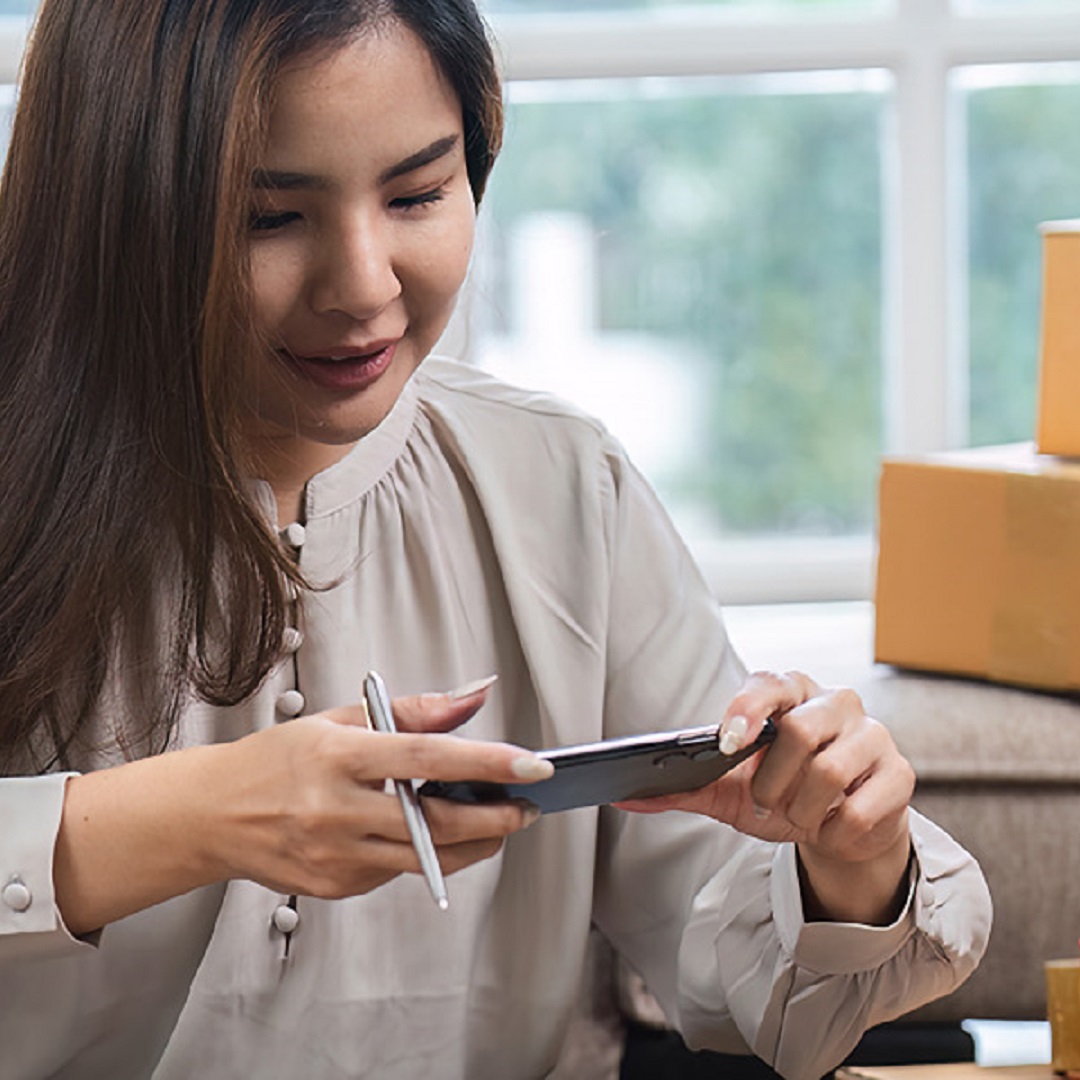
x: 361, y: 229
x: 343, y: 368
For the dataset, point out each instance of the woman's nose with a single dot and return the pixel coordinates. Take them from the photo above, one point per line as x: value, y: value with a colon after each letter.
x: 356, y: 274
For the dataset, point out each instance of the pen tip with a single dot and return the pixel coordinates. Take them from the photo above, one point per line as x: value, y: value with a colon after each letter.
x: 443, y: 903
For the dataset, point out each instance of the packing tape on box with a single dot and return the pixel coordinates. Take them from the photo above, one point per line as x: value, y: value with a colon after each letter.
x: 1034, y: 632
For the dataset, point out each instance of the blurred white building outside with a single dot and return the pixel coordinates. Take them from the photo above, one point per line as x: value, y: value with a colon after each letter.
x: 638, y: 385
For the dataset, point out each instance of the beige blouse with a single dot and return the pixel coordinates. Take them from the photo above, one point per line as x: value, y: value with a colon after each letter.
x: 480, y: 529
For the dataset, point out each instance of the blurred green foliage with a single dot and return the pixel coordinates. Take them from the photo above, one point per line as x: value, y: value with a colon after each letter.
x: 1023, y: 168
x: 744, y: 231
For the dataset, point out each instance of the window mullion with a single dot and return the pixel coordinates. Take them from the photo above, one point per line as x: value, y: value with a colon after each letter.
x: 925, y: 395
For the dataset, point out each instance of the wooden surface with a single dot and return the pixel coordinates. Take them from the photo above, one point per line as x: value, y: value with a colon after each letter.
x: 945, y: 1072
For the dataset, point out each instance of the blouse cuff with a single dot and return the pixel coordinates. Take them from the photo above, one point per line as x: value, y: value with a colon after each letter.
x: 30, y: 922
x: 834, y: 948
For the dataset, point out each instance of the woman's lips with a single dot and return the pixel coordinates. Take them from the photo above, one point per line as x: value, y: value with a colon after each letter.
x: 346, y: 370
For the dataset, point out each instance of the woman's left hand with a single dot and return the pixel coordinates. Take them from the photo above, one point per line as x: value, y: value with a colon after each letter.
x: 832, y: 781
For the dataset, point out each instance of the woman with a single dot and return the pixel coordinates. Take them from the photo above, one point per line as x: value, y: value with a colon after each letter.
x: 232, y: 231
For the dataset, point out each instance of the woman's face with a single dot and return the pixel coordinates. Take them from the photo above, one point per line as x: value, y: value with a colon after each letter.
x: 360, y: 237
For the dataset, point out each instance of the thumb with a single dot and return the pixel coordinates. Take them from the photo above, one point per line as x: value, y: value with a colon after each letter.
x: 442, y: 712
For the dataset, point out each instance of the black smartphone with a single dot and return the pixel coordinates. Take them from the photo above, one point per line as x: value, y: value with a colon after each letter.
x: 633, y: 767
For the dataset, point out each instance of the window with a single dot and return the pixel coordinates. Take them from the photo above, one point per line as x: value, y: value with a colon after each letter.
x: 768, y: 241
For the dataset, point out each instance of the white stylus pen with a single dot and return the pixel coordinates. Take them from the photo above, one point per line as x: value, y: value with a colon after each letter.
x: 382, y: 716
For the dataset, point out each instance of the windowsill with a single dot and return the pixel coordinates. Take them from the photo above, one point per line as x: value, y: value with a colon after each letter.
x: 787, y: 570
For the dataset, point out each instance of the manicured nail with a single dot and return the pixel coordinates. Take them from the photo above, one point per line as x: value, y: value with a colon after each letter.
x: 531, y: 767
x: 529, y: 815
x: 761, y: 813
x: 732, y: 734
x: 472, y: 688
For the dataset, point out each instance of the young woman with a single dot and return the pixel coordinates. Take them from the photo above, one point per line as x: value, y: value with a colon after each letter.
x: 233, y: 482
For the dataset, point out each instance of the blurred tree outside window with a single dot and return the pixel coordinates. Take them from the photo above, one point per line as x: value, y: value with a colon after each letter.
x: 698, y: 262
x: 1023, y: 168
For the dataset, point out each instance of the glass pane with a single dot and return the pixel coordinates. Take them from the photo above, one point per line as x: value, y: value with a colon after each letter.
x: 1023, y: 168
x: 7, y: 111
x: 698, y: 263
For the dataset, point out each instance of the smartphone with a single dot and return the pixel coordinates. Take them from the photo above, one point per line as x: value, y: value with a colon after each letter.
x: 633, y: 767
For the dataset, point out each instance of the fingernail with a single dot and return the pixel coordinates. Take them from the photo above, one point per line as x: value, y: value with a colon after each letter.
x: 761, y: 813
x: 732, y: 734
x: 472, y: 688
x: 529, y: 814
x: 531, y: 767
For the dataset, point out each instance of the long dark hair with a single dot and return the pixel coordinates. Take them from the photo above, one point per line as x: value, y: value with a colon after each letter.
x: 129, y: 541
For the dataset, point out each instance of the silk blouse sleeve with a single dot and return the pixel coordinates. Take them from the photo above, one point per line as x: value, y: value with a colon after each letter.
x: 30, y: 923
x: 713, y: 919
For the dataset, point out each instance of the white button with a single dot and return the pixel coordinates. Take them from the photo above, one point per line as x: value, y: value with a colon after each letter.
x: 293, y: 639
x: 16, y: 896
x: 286, y: 919
x: 291, y: 703
x: 295, y: 534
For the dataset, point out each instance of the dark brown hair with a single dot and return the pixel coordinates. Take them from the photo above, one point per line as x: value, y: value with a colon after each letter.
x: 127, y: 532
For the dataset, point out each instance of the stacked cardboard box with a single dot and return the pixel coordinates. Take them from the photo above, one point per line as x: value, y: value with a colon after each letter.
x: 979, y: 556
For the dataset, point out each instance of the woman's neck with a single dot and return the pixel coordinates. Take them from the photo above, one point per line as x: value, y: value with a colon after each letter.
x: 287, y: 464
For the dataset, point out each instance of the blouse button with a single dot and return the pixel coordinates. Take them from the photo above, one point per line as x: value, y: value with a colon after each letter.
x: 285, y: 919
x: 293, y: 639
x: 295, y: 535
x: 16, y: 896
x: 291, y: 703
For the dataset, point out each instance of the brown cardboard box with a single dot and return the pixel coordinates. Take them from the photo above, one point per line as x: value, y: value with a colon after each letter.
x: 1058, y: 423
x: 979, y: 565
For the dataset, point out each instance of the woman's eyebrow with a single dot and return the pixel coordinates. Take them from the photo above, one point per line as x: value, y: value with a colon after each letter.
x: 439, y: 148
x: 278, y: 180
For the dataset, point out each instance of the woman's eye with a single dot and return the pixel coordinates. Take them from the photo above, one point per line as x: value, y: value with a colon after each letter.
x: 270, y: 222
x: 425, y: 198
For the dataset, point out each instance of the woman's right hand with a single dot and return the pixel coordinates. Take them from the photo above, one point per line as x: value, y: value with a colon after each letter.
x: 302, y: 807
x: 309, y: 811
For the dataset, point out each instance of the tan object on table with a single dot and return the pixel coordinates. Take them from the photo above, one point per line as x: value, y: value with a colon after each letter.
x: 946, y: 1072
x: 1063, y: 1011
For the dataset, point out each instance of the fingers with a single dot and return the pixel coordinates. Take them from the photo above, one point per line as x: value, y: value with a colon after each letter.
x: 462, y: 834
x: 442, y: 712
x: 424, y: 712
x: 821, y: 749
x: 763, y: 694
x: 369, y: 755
x: 868, y: 820
x: 366, y: 842
x: 379, y: 814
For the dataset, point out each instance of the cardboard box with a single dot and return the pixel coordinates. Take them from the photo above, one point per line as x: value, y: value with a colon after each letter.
x: 1058, y: 413
x: 979, y: 566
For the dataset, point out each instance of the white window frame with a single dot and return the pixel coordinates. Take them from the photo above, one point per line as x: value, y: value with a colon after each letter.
x: 920, y: 43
